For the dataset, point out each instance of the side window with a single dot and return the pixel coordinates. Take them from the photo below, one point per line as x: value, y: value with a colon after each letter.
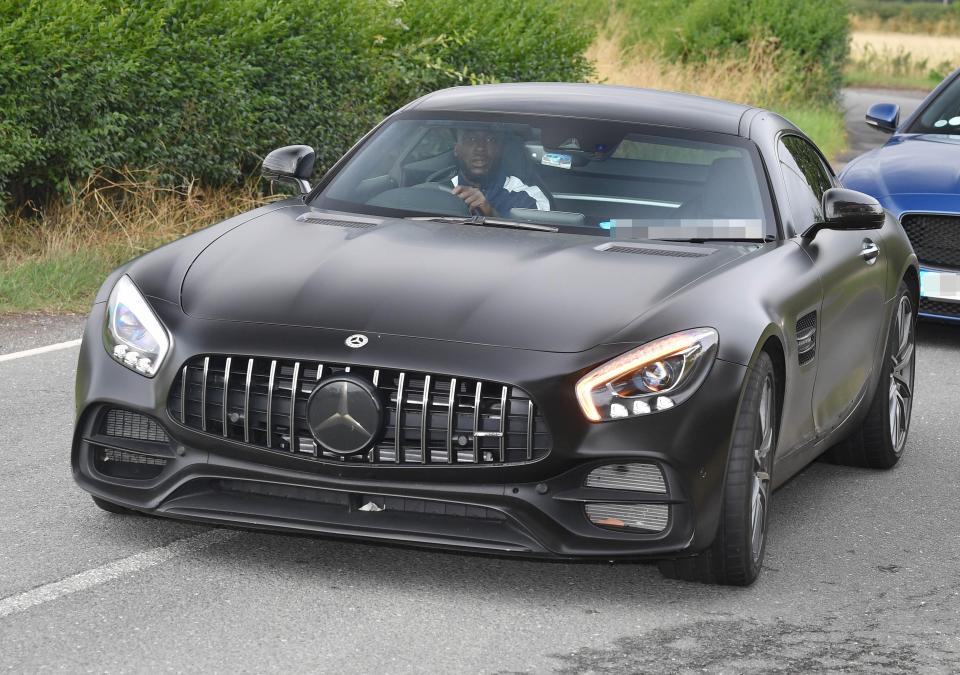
x: 806, y: 178
x: 435, y: 142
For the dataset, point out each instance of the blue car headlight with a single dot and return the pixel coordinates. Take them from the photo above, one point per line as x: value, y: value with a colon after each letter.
x: 134, y: 335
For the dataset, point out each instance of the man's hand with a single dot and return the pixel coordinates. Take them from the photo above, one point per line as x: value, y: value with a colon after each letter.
x: 474, y: 199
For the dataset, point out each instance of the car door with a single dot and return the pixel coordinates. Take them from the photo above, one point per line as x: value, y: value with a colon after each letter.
x: 852, y: 269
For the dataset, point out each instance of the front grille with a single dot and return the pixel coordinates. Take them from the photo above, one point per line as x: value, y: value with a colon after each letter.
x: 127, y: 424
x: 442, y: 420
x: 950, y: 309
x: 935, y: 238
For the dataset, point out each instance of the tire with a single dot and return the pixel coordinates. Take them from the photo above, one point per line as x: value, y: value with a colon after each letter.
x: 736, y: 555
x: 110, y: 506
x: 879, y: 441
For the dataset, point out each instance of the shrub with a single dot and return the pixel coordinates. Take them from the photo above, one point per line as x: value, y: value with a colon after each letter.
x: 201, y: 89
x: 808, y: 38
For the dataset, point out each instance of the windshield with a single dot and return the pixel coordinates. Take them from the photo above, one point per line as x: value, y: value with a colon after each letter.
x: 942, y: 116
x: 597, y: 177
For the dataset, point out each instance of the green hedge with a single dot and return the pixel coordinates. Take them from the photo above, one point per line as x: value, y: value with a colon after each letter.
x: 810, y: 37
x: 201, y: 89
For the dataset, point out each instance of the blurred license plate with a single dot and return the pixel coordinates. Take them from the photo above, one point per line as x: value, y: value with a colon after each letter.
x: 940, y: 285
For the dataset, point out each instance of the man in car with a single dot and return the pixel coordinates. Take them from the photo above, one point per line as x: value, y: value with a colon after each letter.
x: 483, y: 184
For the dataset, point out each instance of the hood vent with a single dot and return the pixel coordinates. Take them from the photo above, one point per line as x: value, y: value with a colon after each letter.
x: 655, y: 249
x: 807, y: 337
x: 354, y: 224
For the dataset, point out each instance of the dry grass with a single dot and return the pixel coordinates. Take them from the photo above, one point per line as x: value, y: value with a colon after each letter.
x: 900, y: 59
x: 932, y: 48
x: 947, y: 26
x: 753, y: 80
x: 54, y: 258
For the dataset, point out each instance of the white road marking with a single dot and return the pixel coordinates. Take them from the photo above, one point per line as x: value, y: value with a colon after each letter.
x: 39, y: 350
x: 118, y: 568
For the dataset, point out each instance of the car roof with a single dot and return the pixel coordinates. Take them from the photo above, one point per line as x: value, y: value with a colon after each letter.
x: 591, y: 101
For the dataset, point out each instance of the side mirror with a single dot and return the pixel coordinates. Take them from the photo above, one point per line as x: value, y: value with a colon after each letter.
x: 845, y: 209
x: 290, y: 164
x: 884, y: 117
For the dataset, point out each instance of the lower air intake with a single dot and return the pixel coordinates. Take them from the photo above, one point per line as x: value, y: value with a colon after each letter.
x: 123, y: 464
x: 127, y: 424
x: 633, y: 476
x: 629, y: 517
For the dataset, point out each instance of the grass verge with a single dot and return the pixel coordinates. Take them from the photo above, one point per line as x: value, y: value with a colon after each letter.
x: 54, y: 259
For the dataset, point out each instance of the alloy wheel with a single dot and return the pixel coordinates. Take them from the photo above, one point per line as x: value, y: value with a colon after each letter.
x: 901, y: 375
x: 762, y: 456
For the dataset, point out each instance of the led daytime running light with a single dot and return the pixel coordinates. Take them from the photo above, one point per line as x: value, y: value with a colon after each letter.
x: 665, y: 347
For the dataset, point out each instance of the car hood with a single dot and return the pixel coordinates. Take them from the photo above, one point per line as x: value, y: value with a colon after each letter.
x: 908, y: 164
x: 486, y: 285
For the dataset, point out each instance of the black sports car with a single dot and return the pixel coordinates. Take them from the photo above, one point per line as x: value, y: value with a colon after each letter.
x: 533, y: 319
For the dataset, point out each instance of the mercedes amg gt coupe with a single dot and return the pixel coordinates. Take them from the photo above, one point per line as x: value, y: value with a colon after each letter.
x: 576, y: 321
x: 914, y: 176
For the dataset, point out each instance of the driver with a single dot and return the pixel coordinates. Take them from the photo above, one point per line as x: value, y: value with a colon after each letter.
x: 482, y: 182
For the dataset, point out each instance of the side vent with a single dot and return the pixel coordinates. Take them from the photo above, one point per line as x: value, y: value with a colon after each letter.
x: 807, y: 337
x: 353, y: 224
x: 655, y: 249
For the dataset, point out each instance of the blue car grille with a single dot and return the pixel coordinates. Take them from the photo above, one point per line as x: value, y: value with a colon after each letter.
x: 935, y: 238
x: 430, y: 419
x: 948, y: 309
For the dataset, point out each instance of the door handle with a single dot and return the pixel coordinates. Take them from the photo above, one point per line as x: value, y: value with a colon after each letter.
x: 870, y: 252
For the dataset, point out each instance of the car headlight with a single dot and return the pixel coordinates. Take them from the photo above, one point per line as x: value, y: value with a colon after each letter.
x: 134, y: 335
x: 653, y: 377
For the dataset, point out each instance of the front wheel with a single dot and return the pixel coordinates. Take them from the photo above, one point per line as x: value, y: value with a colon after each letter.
x: 736, y: 555
x: 879, y: 441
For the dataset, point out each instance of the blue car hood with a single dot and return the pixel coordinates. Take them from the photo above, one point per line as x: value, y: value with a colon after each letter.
x: 910, y: 164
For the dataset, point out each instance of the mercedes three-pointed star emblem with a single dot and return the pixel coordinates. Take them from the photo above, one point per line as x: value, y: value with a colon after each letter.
x: 345, y: 414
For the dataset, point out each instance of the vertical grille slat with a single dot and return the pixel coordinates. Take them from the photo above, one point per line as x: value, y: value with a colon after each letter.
x: 424, y: 422
x: 477, y: 402
x: 398, y: 428
x: 451, y: 412
x: 431, y: 419
x: 504, y: 414
x: 226, y: 395
x: 294, y: 444
x: 270, y: 385
x: 183, y: 396
x: 246, y: 402
x: 203, y: 400
x: 531, y: 428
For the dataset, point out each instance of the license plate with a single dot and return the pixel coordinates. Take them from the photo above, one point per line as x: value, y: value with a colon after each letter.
x: 940, y: 285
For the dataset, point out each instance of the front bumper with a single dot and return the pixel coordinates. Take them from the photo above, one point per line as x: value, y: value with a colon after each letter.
x: 535, y: 508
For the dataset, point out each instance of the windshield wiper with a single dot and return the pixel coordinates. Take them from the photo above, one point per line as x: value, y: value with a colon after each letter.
x: 491, y: 222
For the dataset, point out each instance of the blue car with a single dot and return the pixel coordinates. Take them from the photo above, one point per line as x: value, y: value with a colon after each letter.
x: 916, y: 176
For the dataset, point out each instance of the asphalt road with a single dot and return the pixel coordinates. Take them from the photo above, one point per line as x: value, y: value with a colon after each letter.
x: 862, y: 572
x: 856, y: 102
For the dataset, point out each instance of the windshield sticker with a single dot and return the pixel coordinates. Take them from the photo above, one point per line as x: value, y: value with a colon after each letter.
x: 557, y: 159
x: 954, y: 121
x: 940, y: 123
